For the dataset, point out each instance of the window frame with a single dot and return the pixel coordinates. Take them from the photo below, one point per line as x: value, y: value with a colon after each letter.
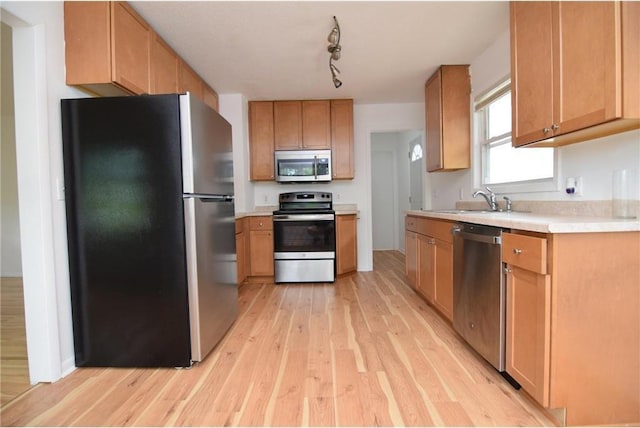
x: 480, y: 119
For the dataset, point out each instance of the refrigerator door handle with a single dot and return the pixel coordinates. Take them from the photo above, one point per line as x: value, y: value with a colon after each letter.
x: 210, y: 198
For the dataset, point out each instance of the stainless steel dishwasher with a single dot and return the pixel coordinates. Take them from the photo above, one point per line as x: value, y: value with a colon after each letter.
x: 479, y: 290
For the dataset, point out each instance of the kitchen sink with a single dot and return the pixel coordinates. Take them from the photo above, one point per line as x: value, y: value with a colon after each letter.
x: 456, y: 211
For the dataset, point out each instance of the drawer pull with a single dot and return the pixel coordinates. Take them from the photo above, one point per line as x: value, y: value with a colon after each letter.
x: 517, y: 251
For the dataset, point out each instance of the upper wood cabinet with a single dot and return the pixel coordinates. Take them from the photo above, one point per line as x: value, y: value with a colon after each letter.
x: 261, y: 140
x: 164, y: 67
x: 287, y: 125
x: 110, y: 50
x: 301, y: 125
x: 316, y: 124
x: 574, y: 70
x: 210, y: 97
x: 342, y: 139
x: 107, y: 47
x: 448, y: 118
x: 190, y: 81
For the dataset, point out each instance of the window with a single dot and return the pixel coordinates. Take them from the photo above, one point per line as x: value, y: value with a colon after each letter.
x: 416, y: 153
x: 500, y: 162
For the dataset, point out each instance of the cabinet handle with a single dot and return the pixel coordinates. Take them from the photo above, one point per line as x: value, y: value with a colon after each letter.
x: 517, y: 251
x: 555, y: 127
x: 507, y: 270
x: 546, y: 130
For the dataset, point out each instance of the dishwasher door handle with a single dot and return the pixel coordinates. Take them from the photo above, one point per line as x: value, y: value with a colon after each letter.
x: 477, y: 237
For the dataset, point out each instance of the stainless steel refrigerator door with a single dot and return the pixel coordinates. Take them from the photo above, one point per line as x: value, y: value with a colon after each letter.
x: 207, y: 158
x: 211, y: 271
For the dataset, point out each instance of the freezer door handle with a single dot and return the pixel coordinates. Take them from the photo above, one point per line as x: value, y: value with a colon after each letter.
x: 210, y: 198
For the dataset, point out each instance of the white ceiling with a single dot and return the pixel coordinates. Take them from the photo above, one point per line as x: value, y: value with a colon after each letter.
x: 278, y: 50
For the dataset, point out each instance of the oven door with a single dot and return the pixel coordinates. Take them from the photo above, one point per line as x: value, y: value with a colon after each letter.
x: 304, y: 247
x: 303, y: 233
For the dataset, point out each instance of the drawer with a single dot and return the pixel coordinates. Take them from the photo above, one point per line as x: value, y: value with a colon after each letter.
x: 527, y: 252
x: 261, y: 223
x: 415, y: 224
x: 439, y: 229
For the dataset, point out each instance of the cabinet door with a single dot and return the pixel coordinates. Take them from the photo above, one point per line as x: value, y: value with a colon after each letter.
x: 528, y: 331
x: 87, y: 36
x: 190, y: 81
x: 342, y: 139
x: 531, y: 71
x: 261, y: 251
x: 287, y: 125
x: 261, y: 144
x: 316, y: 124
x: 433, y: 104
x: 210, y: 97
x: 443, y: 293
x: 448, y: 118
x: 164, y: 67
x: 346, y: 244
x: 240, y: 257
x: 426, y: 284
x: 130, y: 49
x: 411, y: 257
x: 587, y: 63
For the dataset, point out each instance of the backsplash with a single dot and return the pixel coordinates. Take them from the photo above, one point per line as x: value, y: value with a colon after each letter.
x: 602, y: 208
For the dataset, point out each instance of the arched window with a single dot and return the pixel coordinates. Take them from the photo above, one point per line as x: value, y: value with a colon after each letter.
x: 416, y: 153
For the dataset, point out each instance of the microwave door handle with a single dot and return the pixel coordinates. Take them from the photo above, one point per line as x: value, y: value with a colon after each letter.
x: 315, y: 167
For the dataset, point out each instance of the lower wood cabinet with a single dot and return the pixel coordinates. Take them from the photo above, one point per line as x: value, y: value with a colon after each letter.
x: 528, y: 331
x: 261, y: 246
x: 346, y: 243
x: 411, y: 257
x: 241, y: 248
x: 429, y: 261
x: 573, y: 323
x: 528, y: 313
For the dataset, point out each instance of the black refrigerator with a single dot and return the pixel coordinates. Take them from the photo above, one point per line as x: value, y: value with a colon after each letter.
x: 151, y: 229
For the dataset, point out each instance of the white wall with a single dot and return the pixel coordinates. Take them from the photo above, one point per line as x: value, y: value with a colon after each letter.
x: 594, y: 160
x: 38, y: 46
x: 368, y: 119
x: 10, y: 260
x: 234, y: 108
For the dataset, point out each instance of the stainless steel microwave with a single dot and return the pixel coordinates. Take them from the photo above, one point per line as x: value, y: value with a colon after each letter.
x: 294, y: 166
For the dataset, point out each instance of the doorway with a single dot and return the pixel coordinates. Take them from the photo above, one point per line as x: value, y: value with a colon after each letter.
x: 393, y: 190
x: 14, y: 378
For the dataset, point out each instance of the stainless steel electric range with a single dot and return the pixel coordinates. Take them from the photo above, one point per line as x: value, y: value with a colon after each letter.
x: 304, y: 235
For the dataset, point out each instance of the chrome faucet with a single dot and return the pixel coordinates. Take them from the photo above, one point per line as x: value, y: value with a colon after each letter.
x: 509, y: 203
x: 490, y: 198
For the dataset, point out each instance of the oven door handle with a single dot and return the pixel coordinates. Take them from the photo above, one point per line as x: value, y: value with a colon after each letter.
x: 303, y: 217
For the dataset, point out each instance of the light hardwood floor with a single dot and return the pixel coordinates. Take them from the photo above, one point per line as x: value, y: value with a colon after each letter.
x: 365, y: 351
x: 14, y: 370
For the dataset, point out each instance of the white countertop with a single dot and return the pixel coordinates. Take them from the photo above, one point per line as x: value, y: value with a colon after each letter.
x: 544, y: 223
